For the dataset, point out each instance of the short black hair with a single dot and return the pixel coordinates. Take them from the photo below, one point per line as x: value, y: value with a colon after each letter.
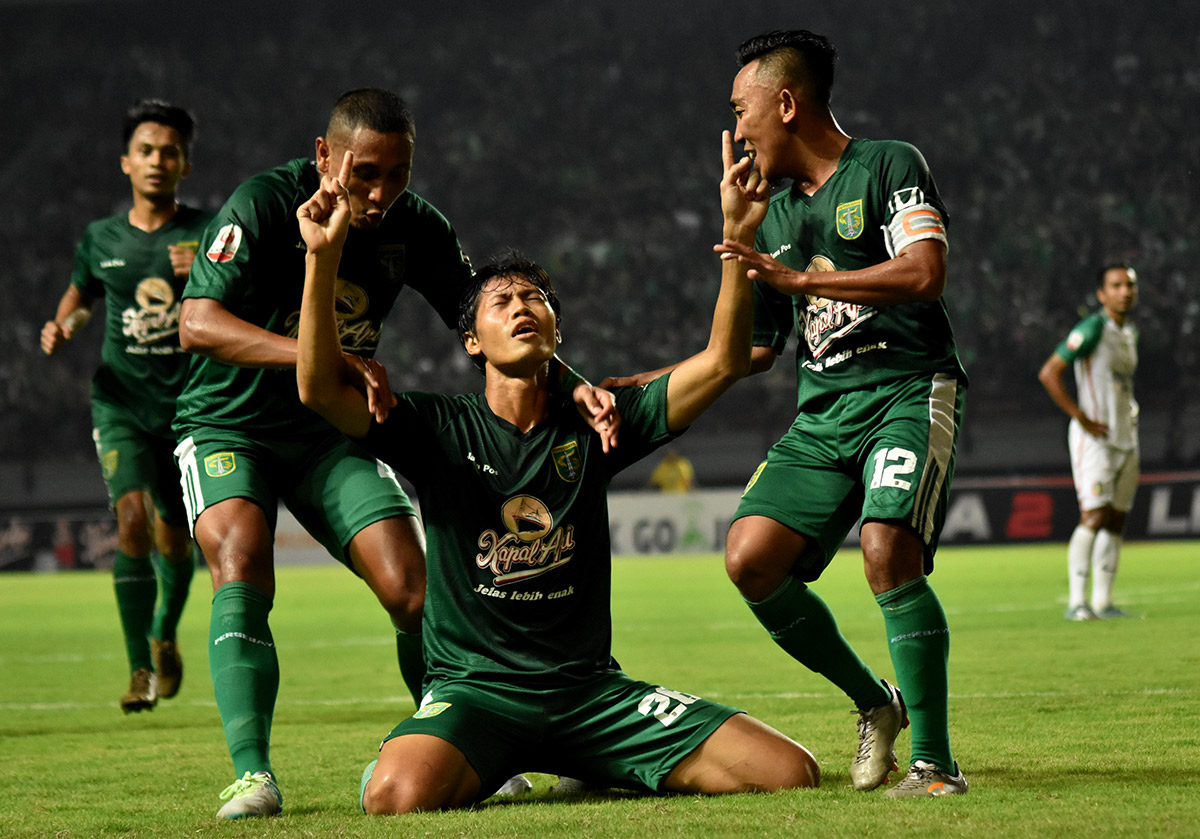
x: 510, y: 266
x: 164, y: 113
x: 1114, y: 265
x: 802, y: 57
x: 370, y: 107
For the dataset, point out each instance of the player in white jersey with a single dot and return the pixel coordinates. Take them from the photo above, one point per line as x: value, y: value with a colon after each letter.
x: 1102, y: 437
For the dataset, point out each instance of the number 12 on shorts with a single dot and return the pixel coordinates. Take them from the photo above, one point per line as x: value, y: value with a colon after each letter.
x: 890, y: 467
x: 658, y: 705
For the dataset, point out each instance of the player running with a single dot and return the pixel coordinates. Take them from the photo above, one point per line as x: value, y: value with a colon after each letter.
x: 138, y: 263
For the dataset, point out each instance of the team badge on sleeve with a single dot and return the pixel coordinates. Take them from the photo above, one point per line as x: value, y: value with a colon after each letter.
x: 225, y: 246
x: 850, y: 219
x: 567, y: 461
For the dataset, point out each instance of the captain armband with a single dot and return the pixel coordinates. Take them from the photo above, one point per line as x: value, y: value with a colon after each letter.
x: 912, y: 224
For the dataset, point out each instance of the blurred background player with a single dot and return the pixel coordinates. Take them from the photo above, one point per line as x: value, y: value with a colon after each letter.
x: 245, y: 440
x: 1102, y: 437
x: 852, y: 255
x: 138, y: 263
x: 674, y: 473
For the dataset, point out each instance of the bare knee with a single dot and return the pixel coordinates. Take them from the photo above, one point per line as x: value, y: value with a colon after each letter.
x: 759, y: 554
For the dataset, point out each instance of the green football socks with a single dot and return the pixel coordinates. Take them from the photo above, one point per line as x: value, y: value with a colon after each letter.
x: 175, y: 578
x: 919, y: 643
x: 412, y: 662
x: 136, y: 590
x: 245, y: 673
x: 802, y: 625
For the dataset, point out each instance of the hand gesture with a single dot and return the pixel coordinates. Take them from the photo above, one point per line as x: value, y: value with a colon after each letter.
x: 599, y: 408
x: 761, y: 266
x: 325, y: 218
x: 53, y: 337
x: 374, y: 384
x: 744, y: 194
x: 181, y: 259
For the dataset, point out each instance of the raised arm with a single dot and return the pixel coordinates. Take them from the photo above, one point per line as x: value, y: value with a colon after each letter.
x: 697, y: 382
x: 323, y: 376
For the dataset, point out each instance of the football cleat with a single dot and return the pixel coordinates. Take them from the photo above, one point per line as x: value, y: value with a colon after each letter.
x: 924, y: 780
x: 877, y: 731
x: 1110, y: 612
x: 251, y: 796
x: 514, y: 786
x: 143, y: 692
x: 168, y: 666
x: 1080, y: 613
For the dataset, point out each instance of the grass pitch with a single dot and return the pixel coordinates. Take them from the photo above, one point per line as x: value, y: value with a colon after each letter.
x: 1063, y: 729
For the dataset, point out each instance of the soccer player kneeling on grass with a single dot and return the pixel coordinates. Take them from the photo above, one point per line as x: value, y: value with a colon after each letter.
x: 518, y: 624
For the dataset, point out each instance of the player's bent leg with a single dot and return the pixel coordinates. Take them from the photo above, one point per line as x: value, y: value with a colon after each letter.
x: 390, y: 556
x: 759, y: 553
x: 175, y: 571
x: 238, y: 544
x: 744, y: 755
x: 419, y: 772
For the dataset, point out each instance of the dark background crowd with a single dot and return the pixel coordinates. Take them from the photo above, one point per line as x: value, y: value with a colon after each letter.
x: 587, y: 136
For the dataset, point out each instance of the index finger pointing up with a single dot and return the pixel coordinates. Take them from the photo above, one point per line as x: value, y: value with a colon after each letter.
x: 347, y: 167
x: 727, y: 148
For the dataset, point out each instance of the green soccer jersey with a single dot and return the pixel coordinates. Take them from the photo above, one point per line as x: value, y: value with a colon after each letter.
x: 142, y: 366
x: 518, y: 552
x: 880, y: 199
x: 253, y: 264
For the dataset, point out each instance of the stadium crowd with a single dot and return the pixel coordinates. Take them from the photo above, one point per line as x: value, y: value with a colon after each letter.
x: 587, y: 137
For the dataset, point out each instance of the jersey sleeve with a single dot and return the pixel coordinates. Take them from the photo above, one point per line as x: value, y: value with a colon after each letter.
x: 643, y: 412
x: 408, y: 439
x: 773, y: 318
x: 913, y: 209
x: 81, y: 275
x: 228, y: 257
x: 1082, y: 340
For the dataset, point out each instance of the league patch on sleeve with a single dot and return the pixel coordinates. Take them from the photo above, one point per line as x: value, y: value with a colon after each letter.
x: 225, y: 245
x: 1074, y: 340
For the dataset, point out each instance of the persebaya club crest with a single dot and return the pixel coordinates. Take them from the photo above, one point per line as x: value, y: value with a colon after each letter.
x: 567, y: 461
x: 850, y: 219
x: 219, y: 464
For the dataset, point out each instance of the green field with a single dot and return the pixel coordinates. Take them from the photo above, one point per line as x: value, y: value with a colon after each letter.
x: 1063, y: 729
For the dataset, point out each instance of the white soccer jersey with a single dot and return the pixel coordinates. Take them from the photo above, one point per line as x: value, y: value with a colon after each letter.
x: 1105, y: 358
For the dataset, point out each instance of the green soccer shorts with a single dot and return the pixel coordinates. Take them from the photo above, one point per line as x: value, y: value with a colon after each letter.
x: 611, y: 730
x: 330, y: 484
x: 132, y: 459
x: 879, y: 454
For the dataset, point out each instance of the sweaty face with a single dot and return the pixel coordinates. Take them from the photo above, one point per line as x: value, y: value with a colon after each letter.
x: 155, y: 161
x: 382, y: 169
x: 514, y: 324
x: 755, y: 107
x: 1119, y: 292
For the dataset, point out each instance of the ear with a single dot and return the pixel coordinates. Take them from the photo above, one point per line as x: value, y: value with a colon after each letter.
x: 324, y: 153
x: 558, y: 336
x: 471, y: 344
x: 187, y: 169
x: 789, y: 106
x: 125, y: 164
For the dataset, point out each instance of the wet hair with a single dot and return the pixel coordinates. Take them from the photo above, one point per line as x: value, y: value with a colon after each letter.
x: 1115, y: 265
x: 797, y: 56
x: 164, y: 113
x: 370, y: 107
x: 510, y: 266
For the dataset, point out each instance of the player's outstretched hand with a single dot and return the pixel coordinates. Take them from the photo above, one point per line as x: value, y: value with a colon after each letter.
x: 599, y: 408
x: 761, y: 266
x: 380, y: 399
x: 325, y: 218
x: 745, y: 195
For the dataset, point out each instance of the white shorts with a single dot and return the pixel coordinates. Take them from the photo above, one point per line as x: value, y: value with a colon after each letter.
x: 1104, y: 476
